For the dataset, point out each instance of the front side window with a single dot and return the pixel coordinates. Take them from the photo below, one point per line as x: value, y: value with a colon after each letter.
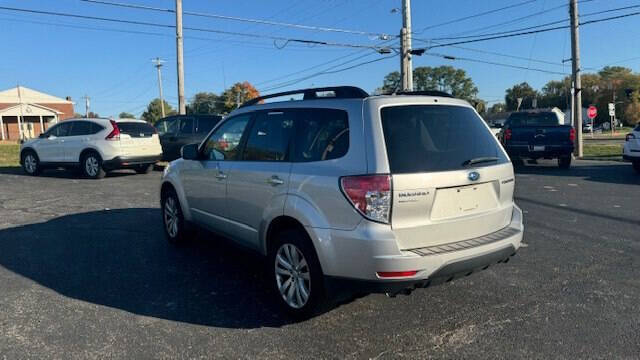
x: 60, y: 130
x: 321, y: 134
x: 223, y: 143
x: 269, y: 137
x: 426, y: 138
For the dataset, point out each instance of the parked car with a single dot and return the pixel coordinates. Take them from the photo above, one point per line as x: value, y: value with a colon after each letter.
x: 179, y: 130
x: 350, y: 194
x: 631, y: 149
x: 496, y: 126
x: 95, y: 146
x: 538, y: 134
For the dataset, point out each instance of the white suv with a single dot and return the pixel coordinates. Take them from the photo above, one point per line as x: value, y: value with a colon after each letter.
x: 346, y: 193
x: 93, y: 145
x: 631, y: 150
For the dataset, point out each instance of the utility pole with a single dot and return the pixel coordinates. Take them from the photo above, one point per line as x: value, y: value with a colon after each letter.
x: 21, y: 117
x: 87, y: 103
x: 577, y: 84
x: 406, y: 68
x: 181, y: 104
x: 158, y: 64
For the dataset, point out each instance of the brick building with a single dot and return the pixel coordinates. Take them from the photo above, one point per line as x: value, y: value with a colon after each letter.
x: 26, y: 113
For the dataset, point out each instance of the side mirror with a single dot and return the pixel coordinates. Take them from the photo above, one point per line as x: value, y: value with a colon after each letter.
x: 190, y: 152
x: 42, y: 136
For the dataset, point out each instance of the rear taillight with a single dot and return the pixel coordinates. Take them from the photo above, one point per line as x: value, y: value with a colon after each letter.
x: 370, y: 195
x: 394, y: 274
x: 629, y: 137
x: 572, y: 134
x: 115, y: 133
x: 507, y: 134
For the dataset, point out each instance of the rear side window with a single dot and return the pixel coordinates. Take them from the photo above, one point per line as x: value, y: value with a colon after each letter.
x: 429, y: 138
x: 321, y: 134
x: 84, y: 128
x: 269, y: 137
x: 205, y: 124
x: 167, y: 126
x: 186, y: 126
x: 534, y: 119
x: 136, y: 129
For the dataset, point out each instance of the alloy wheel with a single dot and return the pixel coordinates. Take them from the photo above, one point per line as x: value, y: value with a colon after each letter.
x: 292, y: 276
x: 30, y: 163
x: 91, y: 165
x: 171, y: 217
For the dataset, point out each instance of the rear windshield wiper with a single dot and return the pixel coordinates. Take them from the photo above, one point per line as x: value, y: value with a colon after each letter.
x: 480, y: 160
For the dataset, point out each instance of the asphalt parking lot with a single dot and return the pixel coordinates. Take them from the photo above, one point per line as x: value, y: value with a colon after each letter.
x: 85, y: 272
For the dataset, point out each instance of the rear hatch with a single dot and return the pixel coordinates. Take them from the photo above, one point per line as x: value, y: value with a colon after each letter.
x: 138, y: 139
x: 451, y: 179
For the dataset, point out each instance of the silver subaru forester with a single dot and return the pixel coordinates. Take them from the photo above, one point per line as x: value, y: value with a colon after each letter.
x: 346, y: 193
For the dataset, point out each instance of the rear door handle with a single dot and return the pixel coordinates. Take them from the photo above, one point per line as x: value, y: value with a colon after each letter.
x: 275, y: 180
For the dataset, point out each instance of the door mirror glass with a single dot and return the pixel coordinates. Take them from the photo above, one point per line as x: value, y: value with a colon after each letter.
x: 190, y: 152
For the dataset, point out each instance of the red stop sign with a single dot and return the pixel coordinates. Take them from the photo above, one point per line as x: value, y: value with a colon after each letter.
x: 593, y: 112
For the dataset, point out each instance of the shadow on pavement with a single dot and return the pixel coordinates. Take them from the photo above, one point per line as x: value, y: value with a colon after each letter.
x: 120, y: 259
x: 618, y: 173
x: 61, y: 173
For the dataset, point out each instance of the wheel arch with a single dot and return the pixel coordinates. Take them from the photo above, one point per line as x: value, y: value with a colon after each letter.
x: 27, y: 149
x: 168, y: 185
x: 89, y: 150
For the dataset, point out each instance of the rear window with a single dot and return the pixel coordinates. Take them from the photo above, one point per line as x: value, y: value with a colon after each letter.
x: 429, y: 138
x: 534, y: 119
x: 136, y: 129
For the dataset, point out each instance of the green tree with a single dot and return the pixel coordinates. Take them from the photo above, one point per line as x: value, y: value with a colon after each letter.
x: 390, y: 83
x: 206, y: 103
x: 238, y: 94
x: 497, y: 108
x: 126, y: 115
x: 522, y: 90
x: 154, y: 111
x: 443, y: 78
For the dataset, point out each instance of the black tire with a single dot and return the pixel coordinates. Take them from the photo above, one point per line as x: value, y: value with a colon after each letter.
x: 317, y: 300
x: 564, y: 162
x: 91, y: 166
x: 30, y: 163
x: 144, y: 168
x: 182, y: 231
x: 636, y: 166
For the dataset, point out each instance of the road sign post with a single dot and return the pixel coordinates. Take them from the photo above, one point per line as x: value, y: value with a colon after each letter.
x: 612, y: 114
x: 592, y: 113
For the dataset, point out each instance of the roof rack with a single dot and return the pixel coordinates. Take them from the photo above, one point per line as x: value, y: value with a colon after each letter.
x: 425, y: 93
x: 340, y: 92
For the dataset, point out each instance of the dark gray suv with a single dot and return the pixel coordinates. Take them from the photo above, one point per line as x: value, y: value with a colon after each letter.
x: 179, y: 130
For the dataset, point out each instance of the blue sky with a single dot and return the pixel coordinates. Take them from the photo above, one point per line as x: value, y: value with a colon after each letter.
x: 64, y: 57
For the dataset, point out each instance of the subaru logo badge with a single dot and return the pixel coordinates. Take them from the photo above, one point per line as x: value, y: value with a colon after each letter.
x: 474, y: 176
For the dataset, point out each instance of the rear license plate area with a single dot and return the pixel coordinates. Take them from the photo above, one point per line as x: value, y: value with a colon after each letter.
x: 464, y: 200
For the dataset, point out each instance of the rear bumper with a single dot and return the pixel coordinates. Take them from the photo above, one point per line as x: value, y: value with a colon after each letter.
x: 451, y: 271
x: 120, y: 162
x: 551, y: 151
x: 354, y: 266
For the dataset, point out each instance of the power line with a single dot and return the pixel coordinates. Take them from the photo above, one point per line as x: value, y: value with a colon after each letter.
x: 529, y: 27
x: 528, y: 32
x: 144, y: 23
x: 449, y: 57
x: 235, y: 18
x: 326, y: 72
x: 475, y: 15
x: 509, y: 56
